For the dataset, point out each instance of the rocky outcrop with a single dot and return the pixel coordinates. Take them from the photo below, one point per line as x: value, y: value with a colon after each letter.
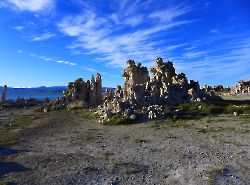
x: 3, y: 95
x: 21, y: 103
x: 98, y: 91
x: 142, y: 95
x: 216, y: 88
x: 80, y: 94
x: 134, y: 75
x: 243, y: 87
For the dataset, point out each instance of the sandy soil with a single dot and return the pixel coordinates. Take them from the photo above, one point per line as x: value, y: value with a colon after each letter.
x: 66, y: 148
x: 240, y: 97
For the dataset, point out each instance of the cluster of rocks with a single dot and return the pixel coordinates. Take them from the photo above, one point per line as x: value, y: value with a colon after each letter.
x: 79, y: 94
x: 243, y: 87
x: 19, y: 102
x: 215, y: 88
x: 143, y: 95
x: 219, y: 89
x: 22, y: 102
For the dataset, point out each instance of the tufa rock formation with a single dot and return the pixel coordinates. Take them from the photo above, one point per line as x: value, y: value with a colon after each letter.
x: 243, y: 87
x: 142, y: 95
x: 216, y: 88
x: 134, y: 74
x: 3, y: 95
x: 80, y: 94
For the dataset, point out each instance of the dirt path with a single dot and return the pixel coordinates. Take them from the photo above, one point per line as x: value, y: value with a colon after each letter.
x: 68, y: 149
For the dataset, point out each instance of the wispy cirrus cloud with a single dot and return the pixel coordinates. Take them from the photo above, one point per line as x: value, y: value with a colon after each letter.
x: 32, y: 5
x: 214, y: 30
x: 89, y: 69
x: 45, y: 58
x: 64, y: 62
x: 120, y: 36
x: 170, y: 14
x: 194, y: 54
x: 42, y: 37
x: 19, y: 28
x: 229, y: 60
x: 114, y: 31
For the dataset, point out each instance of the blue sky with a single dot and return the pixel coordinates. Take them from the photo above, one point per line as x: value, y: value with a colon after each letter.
x: 52, y: 42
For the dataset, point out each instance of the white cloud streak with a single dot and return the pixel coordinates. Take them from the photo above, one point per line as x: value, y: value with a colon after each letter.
x: 214, y: 31
x: 228, y: 61
x: 32, y: 5
x: 129, y: 32
x: 19, y: 28
x: 42, y: 37
x: 44, y: 58
x: 89, y: 69
x: 65, y: 62
x: 49, y: 59
x: 100, y: 35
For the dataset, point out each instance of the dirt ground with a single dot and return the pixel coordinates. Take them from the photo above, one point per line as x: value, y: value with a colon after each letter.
x: 66, y: 148
x: 240, y: 97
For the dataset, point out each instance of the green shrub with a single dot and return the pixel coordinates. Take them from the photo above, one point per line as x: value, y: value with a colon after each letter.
x: 106, y: 154
x: 223, y: 91
x: 213, y: 109
x: 76, y: 105
x: 125, y: 168
x: 231, y: 109
x: 3, y: 182
x: 88, y: 114
x: 173, y: 123
x: 118, y: 120
x: 184, y: 106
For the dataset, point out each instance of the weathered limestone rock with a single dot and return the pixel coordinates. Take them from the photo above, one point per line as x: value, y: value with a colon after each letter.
x: 92, y: 93
x: 87, y: 92
x: 243, y: 87
x: 139, y: 94
x: 163, y: 72
x: 208, y: 88
x: 155, y: 112
x: 195, y: 92
x: 99, y: 98
x: 20, y: 102
x: 134, y: 74
x: 216, y: 88
x: 144, y: 96
x: 80, y: 94
x: 3, y: 95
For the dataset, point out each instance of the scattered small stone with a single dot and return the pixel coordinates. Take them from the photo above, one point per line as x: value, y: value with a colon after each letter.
x: 236, y: 114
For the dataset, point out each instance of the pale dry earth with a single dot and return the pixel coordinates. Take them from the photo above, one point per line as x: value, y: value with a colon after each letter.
x: 65, y: 148
x: 237, y: 97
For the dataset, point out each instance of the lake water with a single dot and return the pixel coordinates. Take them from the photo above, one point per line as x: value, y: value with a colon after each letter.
x: 40, y: 94
x: 37, y: 95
